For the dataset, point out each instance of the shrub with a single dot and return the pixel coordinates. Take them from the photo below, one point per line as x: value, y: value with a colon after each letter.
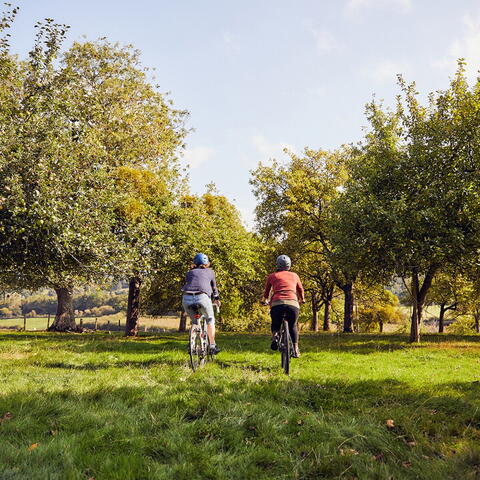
x: 463, y: 325
x: 258, y: 318
x: 5, y: 312
x: 372, y: 317
x: 103, y: 310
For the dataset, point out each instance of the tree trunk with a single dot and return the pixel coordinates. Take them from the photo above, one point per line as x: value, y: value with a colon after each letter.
x: 477, y: 322
x: 133, y: 307
x: 441, y: 318
x: 348, y: 308
x: 314, y: 325
x: 326, y: 315
x: 182, y: 327
x: 65, y: 316
x: 380, y: 324
x: 414, y: 325
x: 418, y: 300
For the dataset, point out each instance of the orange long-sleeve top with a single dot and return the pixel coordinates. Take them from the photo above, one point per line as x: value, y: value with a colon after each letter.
x: 285, y: 285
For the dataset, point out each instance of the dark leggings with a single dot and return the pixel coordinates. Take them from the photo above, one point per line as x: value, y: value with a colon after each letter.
x: 289, y: 313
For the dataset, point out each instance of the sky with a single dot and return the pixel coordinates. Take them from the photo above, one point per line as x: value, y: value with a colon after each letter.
x: 261, y: 75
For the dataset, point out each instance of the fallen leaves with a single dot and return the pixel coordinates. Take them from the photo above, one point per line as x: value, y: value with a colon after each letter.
x: 6, y: 416
x: 348, y: 451
x: 33, y: 446
x: 390, y: 423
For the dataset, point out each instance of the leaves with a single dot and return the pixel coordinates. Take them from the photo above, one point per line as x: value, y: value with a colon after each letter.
x: 69, y: 127
x: 390, y: 423
x: 6, y: 416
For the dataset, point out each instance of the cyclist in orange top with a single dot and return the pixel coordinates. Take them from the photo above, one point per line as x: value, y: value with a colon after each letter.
x: 284, y: 292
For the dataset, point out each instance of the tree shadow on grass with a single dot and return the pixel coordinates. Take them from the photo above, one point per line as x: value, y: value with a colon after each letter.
x: 115, y: 364
x: 364, y: 344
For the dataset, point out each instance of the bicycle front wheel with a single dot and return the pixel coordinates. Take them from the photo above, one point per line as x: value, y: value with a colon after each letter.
x: 195, y: 348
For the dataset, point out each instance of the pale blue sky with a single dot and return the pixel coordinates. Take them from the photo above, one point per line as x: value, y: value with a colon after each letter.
x: 257, y: 75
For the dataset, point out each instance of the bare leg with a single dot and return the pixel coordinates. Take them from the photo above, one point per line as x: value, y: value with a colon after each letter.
x: 211, y: 332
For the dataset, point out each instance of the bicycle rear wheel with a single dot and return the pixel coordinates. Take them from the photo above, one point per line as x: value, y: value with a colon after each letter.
x: 285, y: 347
x: 195, y: 348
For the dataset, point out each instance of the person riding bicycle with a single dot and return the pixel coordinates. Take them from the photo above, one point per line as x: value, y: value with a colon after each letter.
x: 284, y: 292
x: 200, y: 286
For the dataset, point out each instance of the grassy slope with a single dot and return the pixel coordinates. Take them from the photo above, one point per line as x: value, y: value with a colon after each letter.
x: 100, y: 406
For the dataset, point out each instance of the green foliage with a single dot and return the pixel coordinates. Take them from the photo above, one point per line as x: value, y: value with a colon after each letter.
x: 70, y: 123
x: 411, y: 206
x: 295, y: 201
x: 212, y: 225
x: 462, y: 325
x: 377, y: 307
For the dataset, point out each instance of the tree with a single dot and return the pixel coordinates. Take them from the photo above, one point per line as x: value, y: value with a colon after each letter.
x: 295, y: 206
x: 145, y: 213
x: 376, y: 306
x: 67, y: 128
x: 212, y: 225
x: 450, y: 290
x: 412, y: 205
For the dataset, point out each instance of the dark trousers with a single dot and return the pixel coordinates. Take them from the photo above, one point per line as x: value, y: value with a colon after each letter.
x: 288, y: 313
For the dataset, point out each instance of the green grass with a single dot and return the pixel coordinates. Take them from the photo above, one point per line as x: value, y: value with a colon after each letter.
x: 104, y: 407
x: 105, y: 322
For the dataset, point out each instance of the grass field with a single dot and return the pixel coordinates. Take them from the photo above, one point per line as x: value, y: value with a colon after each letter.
x: 98, y: 406
x: 104, y: 323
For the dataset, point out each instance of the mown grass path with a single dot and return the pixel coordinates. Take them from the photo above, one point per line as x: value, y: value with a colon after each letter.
x: 104, y: 407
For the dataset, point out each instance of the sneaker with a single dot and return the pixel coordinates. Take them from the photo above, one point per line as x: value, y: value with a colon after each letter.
x: 214, y: 350
x: 296, y: 354
x: 274, y: 344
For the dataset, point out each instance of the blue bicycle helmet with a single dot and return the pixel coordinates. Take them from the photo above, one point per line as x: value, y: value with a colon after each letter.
x: 283, y: 262
x: 200, y: 259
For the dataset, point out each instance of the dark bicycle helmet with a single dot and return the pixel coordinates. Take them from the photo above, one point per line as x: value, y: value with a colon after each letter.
x: 283, y: 262
x: 200, y: 259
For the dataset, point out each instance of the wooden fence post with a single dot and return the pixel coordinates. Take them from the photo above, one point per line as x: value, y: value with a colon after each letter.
x: 81, y: 323
x: 48, y: 321
x: 96, y: 323
x: 24, y: 322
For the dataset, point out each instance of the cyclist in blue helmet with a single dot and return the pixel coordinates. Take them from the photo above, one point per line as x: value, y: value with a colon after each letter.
x: 200, y: 287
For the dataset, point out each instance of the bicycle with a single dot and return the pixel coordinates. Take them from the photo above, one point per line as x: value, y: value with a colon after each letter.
x: 285, y: 346
x: 199, y: 344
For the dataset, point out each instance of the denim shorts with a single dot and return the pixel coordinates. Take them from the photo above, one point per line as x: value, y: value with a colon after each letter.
x: 206, y: 307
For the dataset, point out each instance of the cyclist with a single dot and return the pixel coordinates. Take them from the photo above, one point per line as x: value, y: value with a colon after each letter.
x: 200, y: 286
x: 284, y: 292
